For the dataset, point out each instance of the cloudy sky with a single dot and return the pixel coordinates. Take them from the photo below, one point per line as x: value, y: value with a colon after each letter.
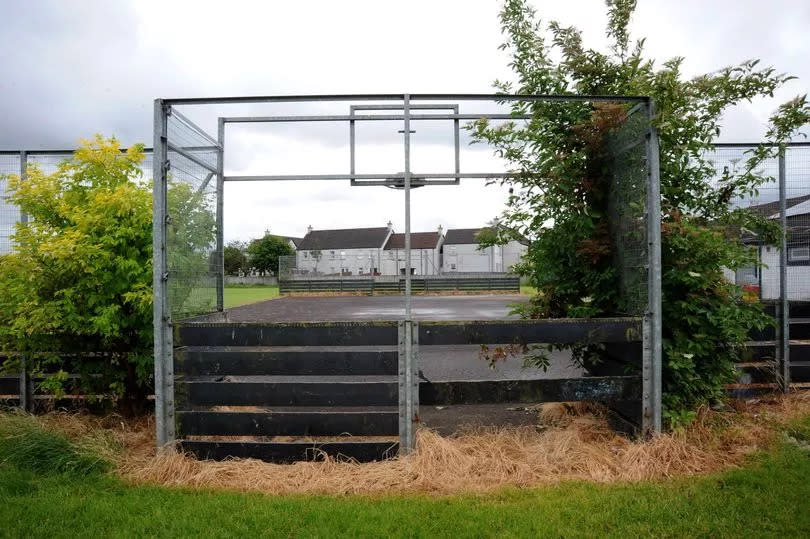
x: 71, y: 69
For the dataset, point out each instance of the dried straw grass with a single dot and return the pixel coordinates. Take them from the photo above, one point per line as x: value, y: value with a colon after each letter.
x: 571, y: 441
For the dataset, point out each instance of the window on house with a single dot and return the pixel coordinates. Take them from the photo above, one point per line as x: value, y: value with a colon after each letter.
x: 332, y: 254
x: 452, y: 251
x: 452, y: 266
x: 306, y: 254
x: 799, y: 253
x: 343, y: 255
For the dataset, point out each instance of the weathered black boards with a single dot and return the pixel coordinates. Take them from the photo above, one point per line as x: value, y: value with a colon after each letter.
x: 329, y: 386
x: 332, y: 387
x: 555, y: 330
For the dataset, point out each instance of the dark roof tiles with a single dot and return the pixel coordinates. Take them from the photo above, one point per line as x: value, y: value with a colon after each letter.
x: 419, y: 240
x: 347, y: 238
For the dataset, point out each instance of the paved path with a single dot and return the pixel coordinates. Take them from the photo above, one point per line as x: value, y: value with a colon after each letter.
x: 339, y: 308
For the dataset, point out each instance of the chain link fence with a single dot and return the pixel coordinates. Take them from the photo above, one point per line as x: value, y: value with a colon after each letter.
x: 627, y: 205
x: 191, y: 238
x: 48, y: 162
x: 9, y: 213
x: 762, y: 280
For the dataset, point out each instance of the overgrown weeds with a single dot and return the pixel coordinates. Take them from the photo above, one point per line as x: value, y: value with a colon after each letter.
x: 571, y: 441
x: 27, y: 444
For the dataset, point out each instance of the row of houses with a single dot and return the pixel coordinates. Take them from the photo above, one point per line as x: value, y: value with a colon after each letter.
x: 381, y: 251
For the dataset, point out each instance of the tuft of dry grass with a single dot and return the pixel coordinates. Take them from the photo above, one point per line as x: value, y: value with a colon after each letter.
x: 570, y: 441
x: 573, y: 441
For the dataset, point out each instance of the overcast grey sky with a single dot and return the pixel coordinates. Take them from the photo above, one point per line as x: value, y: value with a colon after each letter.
x: 71, y: 69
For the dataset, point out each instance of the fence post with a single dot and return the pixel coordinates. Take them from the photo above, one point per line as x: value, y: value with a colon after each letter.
x: 220, y: 215
x: 783, y: 340
x: 164, y: 368
x: 408, y: 383
x: 26, y: 396
x: 653, y: 350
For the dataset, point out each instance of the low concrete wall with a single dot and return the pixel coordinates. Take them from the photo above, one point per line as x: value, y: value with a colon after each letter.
x: 250, y: 280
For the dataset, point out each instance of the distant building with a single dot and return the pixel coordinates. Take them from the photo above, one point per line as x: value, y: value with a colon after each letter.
x: 766, y: 275
x: 425, y: 254
x: 294, y: 242
x: 461, y: 253
x: 349, y: 251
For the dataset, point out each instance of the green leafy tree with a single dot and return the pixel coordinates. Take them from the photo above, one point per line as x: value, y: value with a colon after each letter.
x: 76, y: 293
x: 79, y: 281
x: 236, y: 260
x: 560, y: 198
x: 264, y: 253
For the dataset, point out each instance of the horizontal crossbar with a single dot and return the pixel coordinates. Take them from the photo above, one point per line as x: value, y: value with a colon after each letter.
x: 290, y: 451
x: 378, y: 176
x: 558, y: 331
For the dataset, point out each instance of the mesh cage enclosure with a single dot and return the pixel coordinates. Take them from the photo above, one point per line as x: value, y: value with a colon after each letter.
x: 797, y: 167
x: 761, y: 280
x: 627, y: 205
x: 288, y: 266
x: 191, y: 200
x: 46, y: 161
x: 9, y: 213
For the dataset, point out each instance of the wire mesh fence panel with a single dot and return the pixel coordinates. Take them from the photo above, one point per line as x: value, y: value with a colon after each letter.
x: 9, y: 213
x: 730, y: 162
x: 192, y: 223
x: 797, y: 167
x: 628, y: 211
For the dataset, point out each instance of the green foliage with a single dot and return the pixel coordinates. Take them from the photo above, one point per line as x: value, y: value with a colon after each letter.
x: 191, y: 241
x: 561, y: 198
x: 76, y: 294
x: 26, y: 445
x: 264, y: 253
x: 236, y: 261
x: 80, y: 279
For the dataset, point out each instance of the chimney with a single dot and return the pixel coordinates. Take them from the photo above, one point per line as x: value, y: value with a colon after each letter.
x: 390, y: 226
x: 309, y: 229
x: 440, y: 230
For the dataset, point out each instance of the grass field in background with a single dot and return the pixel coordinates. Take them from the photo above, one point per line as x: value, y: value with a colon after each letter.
x: 242, y: 295
x: 766, y: 498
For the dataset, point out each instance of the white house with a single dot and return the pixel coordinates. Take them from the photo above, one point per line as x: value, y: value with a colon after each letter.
x: 350, y: 251
x: 425, y: 253
x: 461, y: 253
x: 766, y: 277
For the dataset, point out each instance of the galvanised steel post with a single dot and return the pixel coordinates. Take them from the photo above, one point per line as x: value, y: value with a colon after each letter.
x: 653, y: 386
x: 164, y: 370
x: 406, y: 442
x: 784, y: 304
x: 26, y: 397
x: 220, y: 215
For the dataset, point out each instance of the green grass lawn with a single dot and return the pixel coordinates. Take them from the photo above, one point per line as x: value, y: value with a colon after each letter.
x: 242, y: 295
x: 527, y: 290
x: 768, y: 498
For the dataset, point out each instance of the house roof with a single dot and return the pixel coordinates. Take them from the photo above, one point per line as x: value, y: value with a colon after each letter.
x: 771, y: 209
x: 466, y: 236
x: 459, y: 236
x: 296, y: 241
x: 419, y: 240
x: 346, y: 238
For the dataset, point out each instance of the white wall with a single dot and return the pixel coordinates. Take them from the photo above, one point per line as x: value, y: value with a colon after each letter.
x: 335, y: 261
x: 798, y: 277
x: 423, y: 261
x: 467, y: 258
x: 512, y: 253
